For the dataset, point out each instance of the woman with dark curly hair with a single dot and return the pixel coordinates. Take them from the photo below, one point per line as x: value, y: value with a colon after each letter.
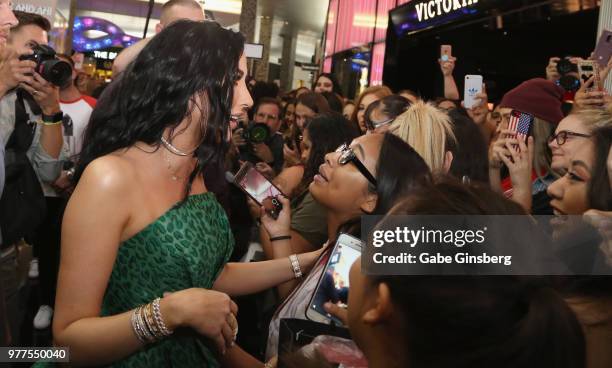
x: 145, y: 245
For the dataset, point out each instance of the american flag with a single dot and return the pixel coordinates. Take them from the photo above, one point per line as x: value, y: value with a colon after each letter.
x: 520, y: 122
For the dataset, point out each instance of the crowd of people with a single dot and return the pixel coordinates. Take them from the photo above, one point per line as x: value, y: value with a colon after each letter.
x: 139, y: 239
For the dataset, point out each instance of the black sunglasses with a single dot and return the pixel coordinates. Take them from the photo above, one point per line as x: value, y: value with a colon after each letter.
x: 348, y: 155
x: 563, y: 135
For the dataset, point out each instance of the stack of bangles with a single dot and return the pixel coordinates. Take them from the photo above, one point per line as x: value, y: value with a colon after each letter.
x: 148, y: 324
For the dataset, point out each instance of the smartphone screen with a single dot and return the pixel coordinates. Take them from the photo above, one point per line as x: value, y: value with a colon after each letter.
x: 257, y: 186
x: 473, y: 86
x: 333, y: 286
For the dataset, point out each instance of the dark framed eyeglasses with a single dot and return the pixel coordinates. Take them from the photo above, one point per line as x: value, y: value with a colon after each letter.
x: 348, y: 155
x: 563, y: 135
x: 373, y: 125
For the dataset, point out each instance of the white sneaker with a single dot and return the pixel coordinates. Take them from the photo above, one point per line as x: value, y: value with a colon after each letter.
x: 42, y: 320
x: 33, y: 272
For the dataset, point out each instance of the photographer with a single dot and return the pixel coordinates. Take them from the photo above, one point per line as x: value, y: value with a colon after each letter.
x: 31, y: 129
x: 260, y: 142
x: 7, y: 259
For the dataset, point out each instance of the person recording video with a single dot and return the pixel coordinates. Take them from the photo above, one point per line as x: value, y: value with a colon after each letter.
x: 259, y: 141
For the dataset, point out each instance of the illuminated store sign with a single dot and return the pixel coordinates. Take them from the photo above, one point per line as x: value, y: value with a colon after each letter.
x: 436, y: 8
x: 423, y: 14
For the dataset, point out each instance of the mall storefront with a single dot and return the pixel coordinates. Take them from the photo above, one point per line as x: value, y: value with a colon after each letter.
x: 397, y: 42
x: 506, y: 42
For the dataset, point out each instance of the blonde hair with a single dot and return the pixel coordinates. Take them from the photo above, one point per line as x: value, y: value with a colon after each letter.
x: 542, y: 156
x: 594, y: 118
x: 428, y: 130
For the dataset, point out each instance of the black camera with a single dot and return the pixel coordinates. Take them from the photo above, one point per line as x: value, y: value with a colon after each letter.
x: 51, y: 68
x: 569, y: 75
x: 256, y: 133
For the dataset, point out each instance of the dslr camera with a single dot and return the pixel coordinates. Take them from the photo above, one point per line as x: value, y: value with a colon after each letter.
x: 569, y: 75
x: 51, y: 68
x: 256, y: 133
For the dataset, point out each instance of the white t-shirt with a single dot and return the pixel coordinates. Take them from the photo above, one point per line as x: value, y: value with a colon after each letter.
x: 78, y: 112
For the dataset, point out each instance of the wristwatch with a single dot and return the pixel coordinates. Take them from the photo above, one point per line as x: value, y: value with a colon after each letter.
x: 53, y: 118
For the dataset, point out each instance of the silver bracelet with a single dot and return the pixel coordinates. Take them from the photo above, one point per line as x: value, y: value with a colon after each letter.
x: 147, y: 334
x: 295, y: 264
x: 136, y: 327
x: 159, y: 320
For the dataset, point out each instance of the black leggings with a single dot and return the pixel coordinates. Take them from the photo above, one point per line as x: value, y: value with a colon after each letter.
x: 47, y: 243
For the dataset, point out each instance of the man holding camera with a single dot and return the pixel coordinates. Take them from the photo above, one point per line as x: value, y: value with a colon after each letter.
x: 31, y: 131
x: 7, y: 264
x: 260, y: 141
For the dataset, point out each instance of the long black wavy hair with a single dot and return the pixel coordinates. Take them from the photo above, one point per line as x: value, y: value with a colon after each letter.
x: 160, y: 89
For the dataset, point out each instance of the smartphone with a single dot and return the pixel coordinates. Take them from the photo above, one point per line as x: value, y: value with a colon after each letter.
x: 603, y: 49
x: 260, y: 189
x: 520, y: 124
x: 333, y: 286
x: 473, y: 86
x: 446, y: 52
x: 588, y: 69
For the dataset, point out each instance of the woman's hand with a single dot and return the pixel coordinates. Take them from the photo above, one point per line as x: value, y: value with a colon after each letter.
x: 520, y: 166
x: 448, y: 66
x: 209, y: 313
x: 552, y: 74
x: 480, y: 112
x: 499, y: 149
x: 282, y: 225
x: 292, y: 156
x: 586, y: 97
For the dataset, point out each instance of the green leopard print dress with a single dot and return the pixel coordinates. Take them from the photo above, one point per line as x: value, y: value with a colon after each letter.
x: 186, y: 247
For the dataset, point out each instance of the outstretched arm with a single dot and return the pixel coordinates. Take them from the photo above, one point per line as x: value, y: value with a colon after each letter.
x: 128, y: 55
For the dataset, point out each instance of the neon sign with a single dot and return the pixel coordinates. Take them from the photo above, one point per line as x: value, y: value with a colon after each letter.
x: 435, y: 8
x: 113, y: 35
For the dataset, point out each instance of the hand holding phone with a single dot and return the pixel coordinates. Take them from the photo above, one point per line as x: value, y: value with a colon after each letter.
x: 472, y: 88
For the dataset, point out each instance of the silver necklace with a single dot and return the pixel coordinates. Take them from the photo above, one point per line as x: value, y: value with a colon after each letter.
x: 175, y: 150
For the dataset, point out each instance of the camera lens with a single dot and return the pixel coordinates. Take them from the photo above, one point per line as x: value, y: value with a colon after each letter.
x: 259, y: 133
x: 56, y: 71
x: 565, y: 66
x: 569, y: 83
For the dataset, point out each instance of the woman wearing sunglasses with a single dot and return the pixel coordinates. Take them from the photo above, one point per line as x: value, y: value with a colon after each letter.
x: 365, y: 177
x: 572, y: 133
